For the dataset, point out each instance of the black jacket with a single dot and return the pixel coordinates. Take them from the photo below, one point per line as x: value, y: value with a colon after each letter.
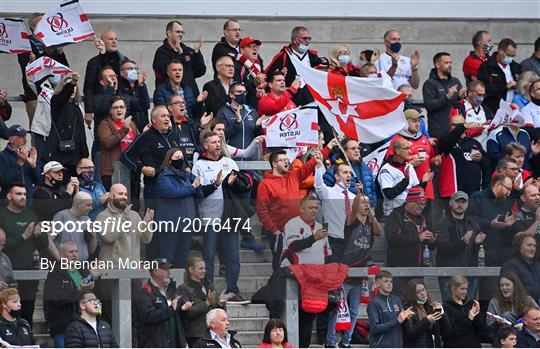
x: 91, y: 78
x: 80, y: 334
x: 154, y: 318
x: 417, y: 333
x: 217, y: 96
x: 16, y: 335
x: 528, y: 273
x: 67, y: 125
x: 47, y: 201
x: 451, y: 250
x: 236, y: 197
x: 437, y: 103
x: 462, y: 332
x: 493, y: 77
x: 208, y: 342
x: 60, y: 298
x: 526, y: 340
x: 140, y: 101
x: 222, y: 48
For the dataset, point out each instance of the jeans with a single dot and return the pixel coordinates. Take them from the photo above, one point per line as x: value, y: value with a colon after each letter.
x: 228, y: 241
x: 352, y: 295
x: 58, y: 340
x: 445, y: 290
x: 305, y: 326
x: 175, y: 247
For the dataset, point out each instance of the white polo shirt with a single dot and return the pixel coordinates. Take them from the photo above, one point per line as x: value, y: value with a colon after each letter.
x: 403, y: 72
x: 389, y: 176
x: 297, y: 229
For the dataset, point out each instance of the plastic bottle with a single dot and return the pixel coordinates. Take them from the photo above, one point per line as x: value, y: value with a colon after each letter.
x: 481, y: 257
x: 426, y: 255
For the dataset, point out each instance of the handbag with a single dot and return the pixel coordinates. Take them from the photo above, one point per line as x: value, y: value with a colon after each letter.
x: 67, y: 146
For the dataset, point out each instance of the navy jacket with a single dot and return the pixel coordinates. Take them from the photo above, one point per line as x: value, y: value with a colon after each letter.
x: 526, y: 340
x: 164, y: 90
x: 239, y: 134
x: 498, y: 140
x: 384, y: 328
x: 11, y: 172
x: 528, y: 273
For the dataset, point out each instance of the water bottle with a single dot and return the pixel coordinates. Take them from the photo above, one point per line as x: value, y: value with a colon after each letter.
x: 36, y: 259
x: 481, y: 257
x: 425, y: 256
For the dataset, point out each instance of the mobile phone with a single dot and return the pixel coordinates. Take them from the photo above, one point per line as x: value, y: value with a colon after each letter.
x: 325, y: 226
x: 87, y: 279
x: 437, y: 310
x: 500, y: 218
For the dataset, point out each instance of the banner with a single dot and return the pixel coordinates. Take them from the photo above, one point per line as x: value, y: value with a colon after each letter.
x: 508, y: 114
x: 44, y: 66
x: 292, y: 128
x: 67, y: 24
x: 13, y: 36
x: 375, y: 159
x: 365, y: 109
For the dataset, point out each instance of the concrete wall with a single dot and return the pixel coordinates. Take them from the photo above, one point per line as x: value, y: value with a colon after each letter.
x: 140, y: 36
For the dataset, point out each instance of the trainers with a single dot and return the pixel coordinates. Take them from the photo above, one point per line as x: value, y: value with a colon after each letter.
x: 222, y: 270
x: 252, y: 245
x: 341, y: 345
x: 236, y: 299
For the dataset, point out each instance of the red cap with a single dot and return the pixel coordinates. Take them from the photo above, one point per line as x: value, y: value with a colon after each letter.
x: 249, y: 40
x: 416, y: 194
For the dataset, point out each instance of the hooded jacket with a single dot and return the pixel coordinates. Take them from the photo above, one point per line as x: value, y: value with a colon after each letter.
x: 494, y: 79
x: 80, y: 334
x: 240, y: 134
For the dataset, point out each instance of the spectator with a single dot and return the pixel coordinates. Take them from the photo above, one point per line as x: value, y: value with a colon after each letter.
x: 132, y: 84
x: 528, y: 217
x: 473, y: 111
x: 510, y: 301
x: 218, y: 89
x: 499, y: 74
x: 423, y: 329
x: 407, y: 232
x: 38, y: 49
x: 340, y: 61
x: 533, y: 62
x: 19, y: 163
x: 202, y: 294
x: 506, y: 338
x: 509, y: 167
x: 88, y: 184
x: 173, y: 48
x: 84, y: 237
x: 108, y: 81
x: 148, y: 150
x: 14, y: 329
x: 464, y: 163
x: 275, y: 335
x: 369, y: 70
x: 459, y: 240
x: 491, y: 208
x: 396, y: 177
x: 229, y: 45
x: 62, y: 288
x: 178, y: 190
x: 6, y: 268
x: 440, y: 92
x: 528, y: 336
x: 366, y: 56
x: 467, y: 323
x: 517, y: 152
x: 49, y: 198
x: 532, y: 110
x: 386, y: 315
x: 117, y: 245
x: 23, y: 239
x: 5, y: 107
x: 361, y: 227
x: 279, y: 97
x: 218, y: 335
x: 249, y: 70
x: 402, y: 69
x: 108, y: 56
x: 88, y: 330
x: 524, y: 265
x: 242, y: 123
x: 361, y: 172
x: 41, y: 123
x: 67, y: 141
x: 522, y: 96
x: 158, y: 307
x: 297, y: 51
x: 482, y: 45
x: 499, y: 139
x: 115, y: 133
x: 307, y: 186
x: 423, y: 153
x: 278, y: 196
x: 213, y: 168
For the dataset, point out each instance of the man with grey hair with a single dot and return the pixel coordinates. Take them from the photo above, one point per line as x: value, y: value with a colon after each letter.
x: 218, y: 336
x: 482, y: 45
x: 72, y: 225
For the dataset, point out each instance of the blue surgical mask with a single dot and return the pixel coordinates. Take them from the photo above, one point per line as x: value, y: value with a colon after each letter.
x: 344, y: 59
x: 507, y: 59
x: 478, y: 100
x: 421, y: 302
x: 361, y: 63
x: 395, y: 47
x: 55, y: 79
x: 303, y: 48
x: 132, y: 75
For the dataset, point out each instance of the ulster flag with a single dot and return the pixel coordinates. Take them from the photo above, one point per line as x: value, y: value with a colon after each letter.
x: 43, y: 67
x: 292, y: 128
x: 365, y: 109
x: 13, y: 36
x: 67, y: 24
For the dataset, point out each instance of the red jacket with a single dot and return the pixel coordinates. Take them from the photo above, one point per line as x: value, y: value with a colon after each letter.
x: 278, y: 197
x: 471, y: 64
x: 316, y: 281
x: 268, y: 345
x: 270, y: 104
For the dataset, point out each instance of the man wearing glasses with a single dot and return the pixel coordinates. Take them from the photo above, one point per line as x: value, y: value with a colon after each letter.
x: 132, y: 84
x: 217, y: 90
x: 229, y: 45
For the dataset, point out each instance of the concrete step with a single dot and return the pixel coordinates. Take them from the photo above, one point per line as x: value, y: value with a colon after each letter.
x: 247, y: 311
x: 248, y: 324
x: 44, y: 340
x: 252, y: 269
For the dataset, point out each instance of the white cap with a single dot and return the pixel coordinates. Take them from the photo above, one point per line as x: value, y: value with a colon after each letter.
x: 54, y: 166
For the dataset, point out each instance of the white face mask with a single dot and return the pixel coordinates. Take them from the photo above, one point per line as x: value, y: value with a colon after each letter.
x: 303, y: 48
x: 344, y: 59
x: 507, y: 59
x: 421, y: 302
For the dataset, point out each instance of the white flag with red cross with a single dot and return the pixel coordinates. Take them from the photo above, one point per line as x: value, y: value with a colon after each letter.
x: 13, y: 36
x: 43, y: 67
x: 292, y: 128
x: 65, y: 25
x: 365, y: 109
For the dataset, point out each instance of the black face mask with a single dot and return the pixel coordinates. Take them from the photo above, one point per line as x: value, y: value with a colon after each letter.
x: 178, y: 164
x: 15, y: 313
x: 55, y: 183
x: 536, y: 101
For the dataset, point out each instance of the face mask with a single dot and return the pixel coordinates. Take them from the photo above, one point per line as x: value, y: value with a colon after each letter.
x: 361, y: 63
x: 344, y: 59
x: 408, y: 103
x: 240, y: 99
x: 55, y: 183
x: 395, y: 47
x: 374, y: 75
x: 132, y: 75
x: 15, y: 313
x: 178, y: 164
x: 487, y: 49
x: 536, y: 101
x: 478, y: 100
x: 167, y: 281
x: 87, y: 177
x: 421, y: 302
x: 55, y: 79
x: 303, y: 48
x: 507, y: 60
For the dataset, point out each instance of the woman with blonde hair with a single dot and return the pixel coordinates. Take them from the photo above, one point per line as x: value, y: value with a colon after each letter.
x: 521, y: 97
x: 340, y: 61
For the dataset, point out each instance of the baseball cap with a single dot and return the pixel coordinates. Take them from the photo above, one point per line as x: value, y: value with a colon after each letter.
x: 249, y: 40
x: 54, y: 166
x: 416, y: 194
x: 162, y: 263
x: 459, y: 195
x: 412, y: 114
x: 16, y: 130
